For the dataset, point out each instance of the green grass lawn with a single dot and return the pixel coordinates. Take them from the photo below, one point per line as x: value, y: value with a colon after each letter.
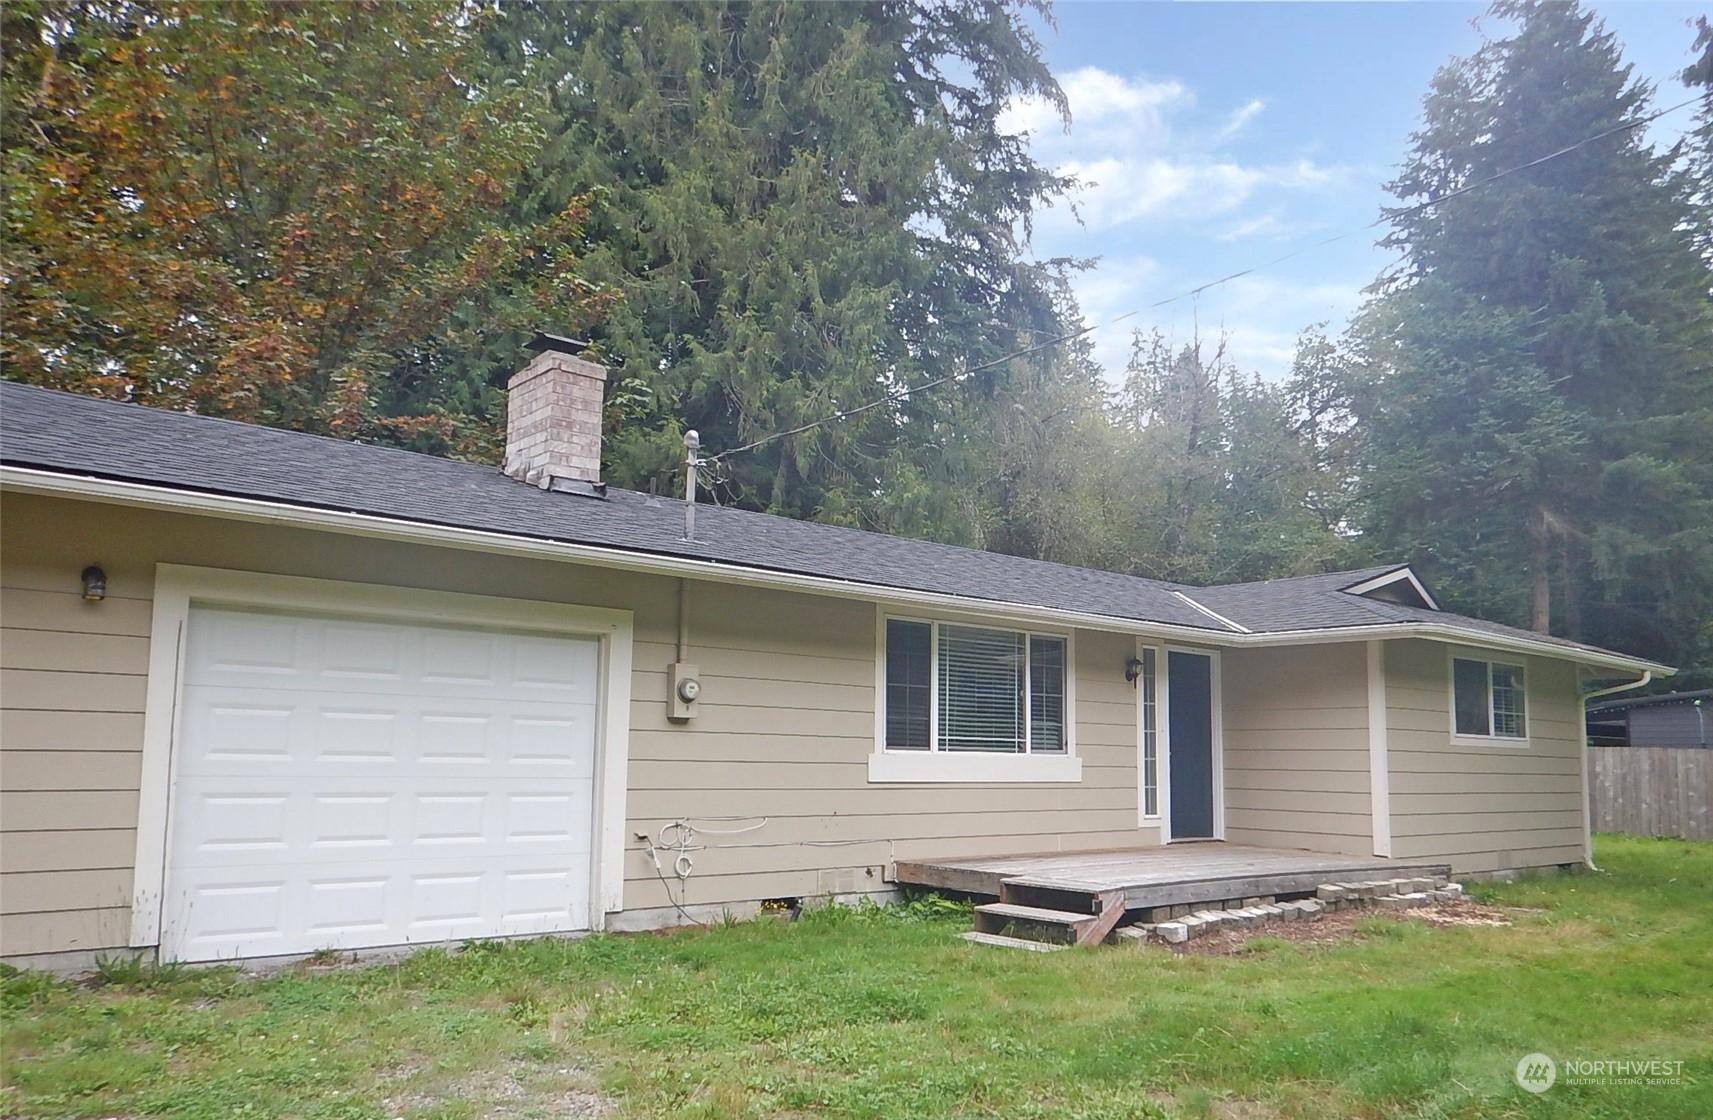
x: 888, y: 1014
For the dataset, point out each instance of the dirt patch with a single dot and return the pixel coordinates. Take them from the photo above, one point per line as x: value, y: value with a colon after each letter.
x: 1465, y: 913
x: 1330, y: 928
x: 1237, y: 1108
x: 517, y: 1093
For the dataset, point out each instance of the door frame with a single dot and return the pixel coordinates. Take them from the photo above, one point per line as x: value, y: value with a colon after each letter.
x: 179, y: 586
x: 1216, y: 706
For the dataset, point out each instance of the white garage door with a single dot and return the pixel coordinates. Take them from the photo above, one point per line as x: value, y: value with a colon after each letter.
x: 344, y: 783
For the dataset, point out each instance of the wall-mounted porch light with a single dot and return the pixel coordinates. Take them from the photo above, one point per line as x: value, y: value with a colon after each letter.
x: 94, y: 584
x: 1132, y: 669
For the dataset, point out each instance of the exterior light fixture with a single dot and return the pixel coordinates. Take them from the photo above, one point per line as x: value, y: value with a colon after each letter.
x: 94, y: 584
x: 1132, y: 669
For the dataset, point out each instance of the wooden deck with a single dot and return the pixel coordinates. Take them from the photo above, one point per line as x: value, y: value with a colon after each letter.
x: 1175, y: 875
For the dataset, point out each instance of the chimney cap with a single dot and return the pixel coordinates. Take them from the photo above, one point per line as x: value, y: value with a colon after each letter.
x: 556, y: 342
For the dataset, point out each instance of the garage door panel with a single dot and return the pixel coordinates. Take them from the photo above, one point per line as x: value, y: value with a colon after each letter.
x: 378, y: 690
x: 233, y: 821
x: 228, y: 822
x: 342, y: 783
x: 362, y: 654
x: 451, y: 820
x: 346, y: 907
x: 352, y: 820
x: 237, y: 731
x: 247, y: 645
x: 249, y: 649
x: 305, y: 907
x: 356, y: 735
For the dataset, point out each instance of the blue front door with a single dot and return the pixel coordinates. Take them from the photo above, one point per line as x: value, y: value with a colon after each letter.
x: 1189, y: 729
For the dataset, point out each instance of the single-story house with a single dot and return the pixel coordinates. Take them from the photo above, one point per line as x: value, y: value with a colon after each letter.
x: 1672, y: 719
x: 268, y: 693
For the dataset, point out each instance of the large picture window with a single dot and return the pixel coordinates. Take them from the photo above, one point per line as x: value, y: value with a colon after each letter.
x: 963, y: 688
x: 1488, y: 700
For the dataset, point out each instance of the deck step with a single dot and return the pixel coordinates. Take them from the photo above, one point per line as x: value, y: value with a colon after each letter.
x: 1048, y: 896
x: 999, y: 941
x: 1012, y: 912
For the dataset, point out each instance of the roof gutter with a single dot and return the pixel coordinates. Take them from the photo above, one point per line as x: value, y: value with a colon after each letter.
x: 31, y: 480
x: 1647, y: 675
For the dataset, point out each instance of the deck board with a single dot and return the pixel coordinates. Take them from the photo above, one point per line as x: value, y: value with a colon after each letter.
x: 1162, y: 876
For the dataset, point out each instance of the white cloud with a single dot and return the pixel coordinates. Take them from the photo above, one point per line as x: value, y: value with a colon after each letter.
x: 1096, y: 98
x: 1152, y: 190
x: 1158, y: 173
x: 1139, y: 160
x: 1239, y: 120
x: 1271, y: 226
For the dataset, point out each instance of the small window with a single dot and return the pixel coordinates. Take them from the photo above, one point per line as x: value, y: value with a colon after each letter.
x: 972, y: 689
x: 1150, y: 736
x: 1488, y: 699
x: 909, y: 678
x: 1046, y: 694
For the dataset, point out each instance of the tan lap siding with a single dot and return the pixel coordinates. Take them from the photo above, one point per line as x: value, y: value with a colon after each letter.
x: 784, y: 728
x: 782, y: 739
x: 71, y: 723
x: 1296, y: 748
x: 71, y: 726
x: 1482, y: 807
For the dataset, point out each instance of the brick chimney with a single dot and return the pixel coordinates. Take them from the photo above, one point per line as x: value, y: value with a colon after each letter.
x: 553, y: 418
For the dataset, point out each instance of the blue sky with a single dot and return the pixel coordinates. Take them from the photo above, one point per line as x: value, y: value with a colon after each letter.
x: 1218, y: 136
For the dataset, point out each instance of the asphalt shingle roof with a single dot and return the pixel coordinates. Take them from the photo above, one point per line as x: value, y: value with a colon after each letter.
x: 1319, y: 602
x: 76, y: 435
x: 81, y: 435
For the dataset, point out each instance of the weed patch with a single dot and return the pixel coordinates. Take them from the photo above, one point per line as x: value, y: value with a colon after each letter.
x: 884, y: 1013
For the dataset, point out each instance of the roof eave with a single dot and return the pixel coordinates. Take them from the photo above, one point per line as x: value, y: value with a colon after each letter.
x: 261, y: 511
x: 172, y: 499
x: 1453, y: 635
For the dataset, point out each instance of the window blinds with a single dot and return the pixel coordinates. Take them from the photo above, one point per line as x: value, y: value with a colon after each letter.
x: 981, y: 690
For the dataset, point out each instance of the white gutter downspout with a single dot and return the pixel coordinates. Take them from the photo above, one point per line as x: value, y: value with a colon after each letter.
x: 1647, y: 678
x: 1587, y: 811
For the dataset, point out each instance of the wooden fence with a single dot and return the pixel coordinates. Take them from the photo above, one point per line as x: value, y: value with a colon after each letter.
x: 1652, y: 791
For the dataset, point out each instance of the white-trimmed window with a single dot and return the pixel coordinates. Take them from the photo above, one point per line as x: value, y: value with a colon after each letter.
x: 1149, y: 699
x: 952, y: 687
x: 1488, y: 700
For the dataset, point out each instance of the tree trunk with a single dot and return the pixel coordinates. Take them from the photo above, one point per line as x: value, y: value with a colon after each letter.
x: 1540, y: 575
x: 1570, y: 591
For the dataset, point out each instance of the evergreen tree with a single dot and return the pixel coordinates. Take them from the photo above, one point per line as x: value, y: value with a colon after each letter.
x: 805, y: 207
x: 1699, y: 76
x: 1536, y: 396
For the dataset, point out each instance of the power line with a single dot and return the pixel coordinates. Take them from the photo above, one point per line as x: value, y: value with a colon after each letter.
x: 1437, y: 200
x: 1385, y: 218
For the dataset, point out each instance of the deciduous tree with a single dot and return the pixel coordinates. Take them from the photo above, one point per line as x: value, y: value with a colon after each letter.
x: 277, y: 211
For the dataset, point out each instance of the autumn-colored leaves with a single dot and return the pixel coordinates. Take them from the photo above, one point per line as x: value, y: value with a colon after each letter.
x: 265, y: 210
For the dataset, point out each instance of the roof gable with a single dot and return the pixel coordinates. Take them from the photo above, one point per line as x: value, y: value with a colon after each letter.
x: 1401, y: 585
